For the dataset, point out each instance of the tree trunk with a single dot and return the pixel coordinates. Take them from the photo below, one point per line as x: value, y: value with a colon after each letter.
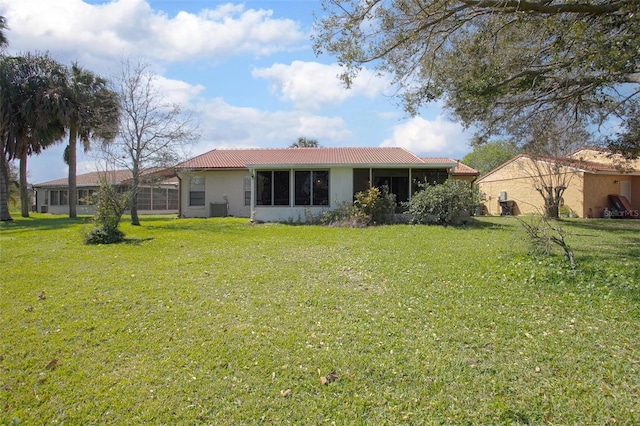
x: 134, y: 197
x: 4, y: 189
x: 71, y: 160
x: 25, y: 200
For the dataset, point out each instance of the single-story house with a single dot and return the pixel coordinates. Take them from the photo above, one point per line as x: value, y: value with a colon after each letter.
x: 591, y: 175
x: 289, y: 184
x: 155, y: 195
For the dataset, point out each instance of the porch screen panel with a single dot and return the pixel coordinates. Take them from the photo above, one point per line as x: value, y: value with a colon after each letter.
x: 321, y: 188
x: 281, y: 188
x: 303, y: 188
x: 263, y: 188
x: 54, y: 197
x: 144, y: 198
x: 173, y: 199
x: 159, y: 199
x: 361, y: 180
x: 64, y: 197
x: 272, y: 188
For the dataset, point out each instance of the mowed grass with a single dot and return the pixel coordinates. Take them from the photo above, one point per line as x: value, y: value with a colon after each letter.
x: 218, y: 321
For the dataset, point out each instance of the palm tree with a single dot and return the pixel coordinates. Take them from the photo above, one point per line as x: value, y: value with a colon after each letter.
x: 31, y: 87
x: 3, y: 38
x: 303, y: 142
x: 92, y: 112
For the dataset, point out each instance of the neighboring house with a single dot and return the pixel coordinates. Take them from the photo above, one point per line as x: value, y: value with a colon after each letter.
x: 289, y: 184
x: 153, y: 197
x: 591, y: 176
x: 464, y: 172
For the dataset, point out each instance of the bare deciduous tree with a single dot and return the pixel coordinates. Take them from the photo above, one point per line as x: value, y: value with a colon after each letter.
x: 153, y: 133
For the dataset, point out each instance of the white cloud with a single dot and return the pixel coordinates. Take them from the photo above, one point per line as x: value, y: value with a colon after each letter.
x: 176, y: 91
x: 224, y: 125
x: 123, y: 27
x: 429, y: 138
x: 311, y: 85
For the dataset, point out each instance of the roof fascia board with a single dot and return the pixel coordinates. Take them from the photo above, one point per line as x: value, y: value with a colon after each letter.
x: 358, y: 166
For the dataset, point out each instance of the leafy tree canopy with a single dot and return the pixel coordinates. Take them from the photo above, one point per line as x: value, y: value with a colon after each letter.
x: 499, y: 65
x: 487, y: 157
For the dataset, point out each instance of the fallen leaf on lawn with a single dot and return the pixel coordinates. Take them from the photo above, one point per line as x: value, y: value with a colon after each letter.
x: 286, y: 393
x: 41, y: 296
x: 52, y: 364
x: 331, y: 377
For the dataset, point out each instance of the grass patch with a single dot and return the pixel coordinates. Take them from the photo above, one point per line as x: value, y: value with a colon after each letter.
x: 218, y: 321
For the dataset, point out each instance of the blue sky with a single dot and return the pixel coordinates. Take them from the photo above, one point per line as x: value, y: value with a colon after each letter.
x: 246, y: 70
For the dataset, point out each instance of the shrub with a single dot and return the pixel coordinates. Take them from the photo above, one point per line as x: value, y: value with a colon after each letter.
x: 375, y: 205
x: 100, y: 235
x: 343, y: 216
x: 110, y: 205
x: 443, y: 204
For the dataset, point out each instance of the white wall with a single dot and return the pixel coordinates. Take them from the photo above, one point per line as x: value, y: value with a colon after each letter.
x: 218, y: 185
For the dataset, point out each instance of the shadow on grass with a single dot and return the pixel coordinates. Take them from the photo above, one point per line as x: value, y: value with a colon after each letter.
x: 42, y: 222
x: 135, y: 241
x: 623, y: 226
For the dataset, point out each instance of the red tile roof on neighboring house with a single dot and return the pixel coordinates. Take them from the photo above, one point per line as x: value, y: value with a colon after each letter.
x: 460, y: 169
x: 463, y: 169
x: 578, y: 164
x: 363, y: 156
x: 94, y: 178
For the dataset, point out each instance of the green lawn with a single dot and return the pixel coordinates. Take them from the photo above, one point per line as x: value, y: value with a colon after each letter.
x: 216, y: 321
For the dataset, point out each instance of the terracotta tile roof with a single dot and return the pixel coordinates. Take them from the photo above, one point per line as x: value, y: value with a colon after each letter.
x: 94, y: 178
x: 460, y: 169
x: 242, y: 158
x: 589, y: 166
x: 463, y: 169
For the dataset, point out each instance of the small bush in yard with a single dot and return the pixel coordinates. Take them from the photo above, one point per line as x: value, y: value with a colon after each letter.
x: 375, y: 205
x: 110, y: 206
x: 443, y: 204
x: 344, y: 215
x: 104, y: 236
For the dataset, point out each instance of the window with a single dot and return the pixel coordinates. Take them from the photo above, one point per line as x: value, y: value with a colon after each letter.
x: 84, y: 196
x: 59, y: 197
x: 272, y: 188
x: 247, y: 190
x: 54, y: 197
x: 312, y: 188
x: 196, y: 191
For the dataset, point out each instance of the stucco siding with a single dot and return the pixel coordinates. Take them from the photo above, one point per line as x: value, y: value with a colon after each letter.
x: 220, y: 186
x: 519, y: 190
x: 519, y: 179
x: 601, y: 186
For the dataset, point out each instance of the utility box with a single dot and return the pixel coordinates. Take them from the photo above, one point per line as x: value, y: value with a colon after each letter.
x: 218, y: 210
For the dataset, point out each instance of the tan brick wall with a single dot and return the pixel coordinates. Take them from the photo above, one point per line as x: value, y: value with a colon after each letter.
x: 518, y: 180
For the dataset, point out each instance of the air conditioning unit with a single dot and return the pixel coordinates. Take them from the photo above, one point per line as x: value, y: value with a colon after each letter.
x: 218, y: 210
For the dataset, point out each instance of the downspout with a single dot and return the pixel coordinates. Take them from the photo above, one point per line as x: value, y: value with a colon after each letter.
x: 252, y: 216
x: 179, y: 195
